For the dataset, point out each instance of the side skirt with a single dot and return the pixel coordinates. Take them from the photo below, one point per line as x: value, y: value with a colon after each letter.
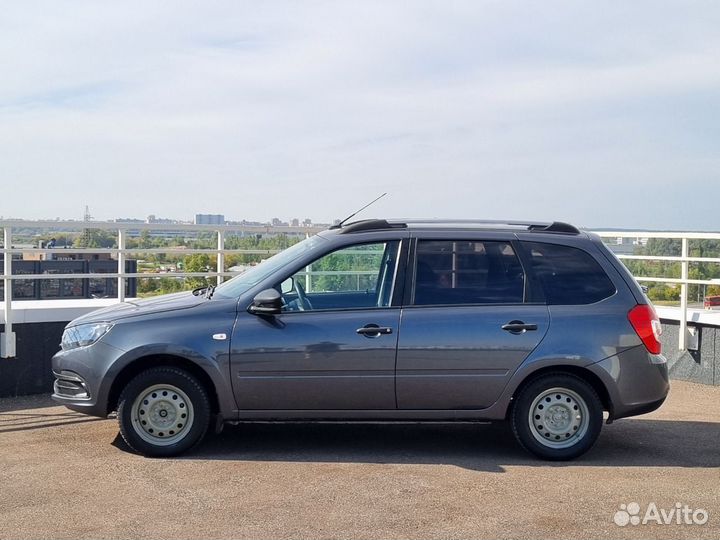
x: 365, y: 416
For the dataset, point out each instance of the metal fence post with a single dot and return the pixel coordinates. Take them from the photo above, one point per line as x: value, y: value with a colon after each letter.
x: 7, y: 338
x: 220, y: 256
x: 121, y: 265
x: 684, y: 271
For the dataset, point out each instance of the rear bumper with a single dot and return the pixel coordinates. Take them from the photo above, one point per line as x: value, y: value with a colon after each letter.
x: 641, y: 409
x: 637, y: 381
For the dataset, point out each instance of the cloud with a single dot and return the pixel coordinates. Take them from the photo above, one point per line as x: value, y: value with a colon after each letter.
x: 488, y: 109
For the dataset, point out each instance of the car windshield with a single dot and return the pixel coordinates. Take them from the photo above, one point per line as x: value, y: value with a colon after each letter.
x: 254, y: 275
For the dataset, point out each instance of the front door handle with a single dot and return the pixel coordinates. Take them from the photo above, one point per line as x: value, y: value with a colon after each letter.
x: 518, y: 327
x: 373, y: 330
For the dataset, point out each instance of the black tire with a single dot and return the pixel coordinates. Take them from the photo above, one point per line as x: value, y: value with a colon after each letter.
x: 163, y: 412
x: 564, y: 423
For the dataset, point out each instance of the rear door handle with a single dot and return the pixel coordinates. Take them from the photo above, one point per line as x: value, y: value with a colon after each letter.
x: 518, y: 327
x: 373, y: 330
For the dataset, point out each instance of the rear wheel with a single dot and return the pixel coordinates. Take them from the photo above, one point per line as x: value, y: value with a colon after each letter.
x: 557, y: 416
x: 163, y: 411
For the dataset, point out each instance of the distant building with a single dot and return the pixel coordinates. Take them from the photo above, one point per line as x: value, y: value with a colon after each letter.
x: 129, y: 220
x: 76, y: 287
x: 47, y: 256
x: 209, y: 219
x: 163, y: 221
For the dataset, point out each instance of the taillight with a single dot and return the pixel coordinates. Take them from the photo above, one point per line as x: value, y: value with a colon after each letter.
x: 647, y: 325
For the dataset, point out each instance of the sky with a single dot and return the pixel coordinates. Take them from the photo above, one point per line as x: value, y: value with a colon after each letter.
x: 602, y: 114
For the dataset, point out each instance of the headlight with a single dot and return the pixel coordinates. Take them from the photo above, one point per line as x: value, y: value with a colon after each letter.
x: 83, y: 335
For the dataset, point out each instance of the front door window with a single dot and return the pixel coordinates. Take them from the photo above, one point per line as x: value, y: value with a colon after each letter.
x: 355, y: 277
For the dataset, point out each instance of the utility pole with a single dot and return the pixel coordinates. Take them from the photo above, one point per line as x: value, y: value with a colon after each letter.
x: 86, y: 232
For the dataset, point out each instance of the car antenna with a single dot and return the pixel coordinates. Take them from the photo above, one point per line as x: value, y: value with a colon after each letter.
x: 357, y: 212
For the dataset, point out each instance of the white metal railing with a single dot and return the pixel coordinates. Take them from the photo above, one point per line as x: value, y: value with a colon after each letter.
x: 684, y: 259
x: 7, y: 339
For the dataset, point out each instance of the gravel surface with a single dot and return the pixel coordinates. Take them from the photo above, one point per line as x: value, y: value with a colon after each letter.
x: 65, y: 475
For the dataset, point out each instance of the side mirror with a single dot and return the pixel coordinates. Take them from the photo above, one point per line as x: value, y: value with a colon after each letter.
x: 267, y: 302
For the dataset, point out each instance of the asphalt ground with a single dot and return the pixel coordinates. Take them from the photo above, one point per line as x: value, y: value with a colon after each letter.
x: 65, y: 475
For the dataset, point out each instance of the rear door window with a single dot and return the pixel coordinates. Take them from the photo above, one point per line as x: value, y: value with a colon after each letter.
x: 568, y: 275
x: 467, y: 272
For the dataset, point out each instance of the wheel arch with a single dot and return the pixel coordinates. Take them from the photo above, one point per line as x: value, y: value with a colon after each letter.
x: 143, y: 363
x: 585, y: 374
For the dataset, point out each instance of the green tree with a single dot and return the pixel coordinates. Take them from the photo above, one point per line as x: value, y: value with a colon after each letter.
x: 145, y: 241
x: 95, y: 238
x: 198, y: 262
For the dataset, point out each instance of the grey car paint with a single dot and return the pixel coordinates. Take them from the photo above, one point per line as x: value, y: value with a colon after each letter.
x: 332, y: 372
x: 185, y: 331
x: 315, y: 360
x: 461, y: 358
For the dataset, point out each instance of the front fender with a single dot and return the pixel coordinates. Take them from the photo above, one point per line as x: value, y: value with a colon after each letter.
x: 131, y: 362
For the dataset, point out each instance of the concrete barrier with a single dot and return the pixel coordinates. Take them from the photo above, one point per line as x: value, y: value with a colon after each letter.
x: 701, y: 365
x: 29, y: 372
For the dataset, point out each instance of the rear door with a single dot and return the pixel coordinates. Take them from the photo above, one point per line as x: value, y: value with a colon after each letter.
x: 468, y: 322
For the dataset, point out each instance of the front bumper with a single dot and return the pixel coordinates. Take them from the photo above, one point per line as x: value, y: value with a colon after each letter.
x: 70, y: 386
x: 82, y: 383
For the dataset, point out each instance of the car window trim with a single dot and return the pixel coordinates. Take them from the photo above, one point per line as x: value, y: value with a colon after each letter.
x: 534, y: 292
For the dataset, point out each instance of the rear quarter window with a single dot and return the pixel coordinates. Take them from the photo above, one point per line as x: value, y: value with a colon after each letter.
x: 568, y: 275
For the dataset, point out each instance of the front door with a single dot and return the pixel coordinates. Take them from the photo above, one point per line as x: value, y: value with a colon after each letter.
x: 333, y: 347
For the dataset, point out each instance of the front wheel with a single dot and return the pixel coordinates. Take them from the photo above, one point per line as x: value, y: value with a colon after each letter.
x: 557, y: 416
x: 163, y: 411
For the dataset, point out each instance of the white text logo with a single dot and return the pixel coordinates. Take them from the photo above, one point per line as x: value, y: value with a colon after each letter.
x: 680, y: 514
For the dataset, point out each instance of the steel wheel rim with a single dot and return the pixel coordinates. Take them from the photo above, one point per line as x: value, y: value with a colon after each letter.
x: 162, y: 415
x: 558, y: 418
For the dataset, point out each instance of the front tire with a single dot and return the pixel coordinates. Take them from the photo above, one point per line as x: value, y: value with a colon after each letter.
x: 163, y: 412
x: 557, y: 416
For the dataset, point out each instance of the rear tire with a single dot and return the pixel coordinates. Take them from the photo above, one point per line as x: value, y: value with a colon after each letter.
x: 163, y: 412
x: 557, y: 416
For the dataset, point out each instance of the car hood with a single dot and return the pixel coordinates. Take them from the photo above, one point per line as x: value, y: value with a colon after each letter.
x: 135, y: 308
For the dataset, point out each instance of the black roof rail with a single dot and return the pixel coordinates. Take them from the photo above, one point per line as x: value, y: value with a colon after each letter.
x: 556, y: 226
x: 436, y: 221
x: 378, y: 224
x: 368, y: 225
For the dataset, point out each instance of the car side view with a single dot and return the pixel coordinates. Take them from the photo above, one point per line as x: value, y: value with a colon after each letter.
x: 380, y: 320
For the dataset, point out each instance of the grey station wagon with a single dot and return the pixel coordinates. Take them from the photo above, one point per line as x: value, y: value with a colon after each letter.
x: 534, y: 323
